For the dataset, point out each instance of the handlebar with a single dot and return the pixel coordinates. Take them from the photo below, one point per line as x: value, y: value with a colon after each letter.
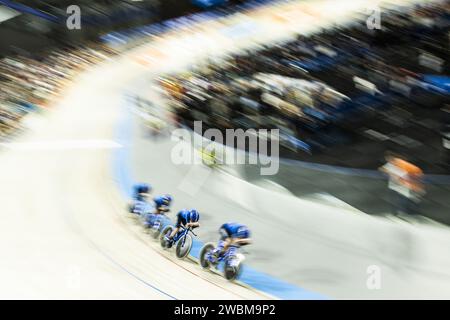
x: 189, y: 230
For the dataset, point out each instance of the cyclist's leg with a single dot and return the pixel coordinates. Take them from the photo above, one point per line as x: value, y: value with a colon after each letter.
x: 223, y: 242
x: 174, y: 232
x: 157, y: 220
x: 232, y: 250
x: 234, y: 246
x: 169, y: 238
x: 148, y: 220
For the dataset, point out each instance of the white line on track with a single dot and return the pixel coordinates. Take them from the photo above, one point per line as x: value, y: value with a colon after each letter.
x: 62, y: 145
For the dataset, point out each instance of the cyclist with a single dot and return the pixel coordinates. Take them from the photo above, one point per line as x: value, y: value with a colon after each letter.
x: 233, y: 235
x: 139, y: 204
x: 209, y: 157
x: 186, y: 219
x: 141, y: 191
x: 162, y: 205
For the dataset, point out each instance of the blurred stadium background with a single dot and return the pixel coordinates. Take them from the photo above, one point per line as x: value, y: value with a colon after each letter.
x: 344, y: 96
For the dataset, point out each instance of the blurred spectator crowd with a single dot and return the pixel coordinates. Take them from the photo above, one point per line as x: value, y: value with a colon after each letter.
x: 32, y: 83
x: 335, y: 93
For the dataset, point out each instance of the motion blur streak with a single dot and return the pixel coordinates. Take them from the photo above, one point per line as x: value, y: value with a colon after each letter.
x: 56, y: 205
x: 58, y: 145
x: 64, y: 233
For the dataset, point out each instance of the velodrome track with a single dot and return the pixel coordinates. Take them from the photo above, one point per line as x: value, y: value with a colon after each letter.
x: 64, y: 230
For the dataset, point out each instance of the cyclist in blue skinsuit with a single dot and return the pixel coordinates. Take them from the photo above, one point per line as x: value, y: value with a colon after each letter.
x: 141, y: 191
x: 139, y: 204
x: 162, y: 205
x: 186, y: 219
x: 233, y: 235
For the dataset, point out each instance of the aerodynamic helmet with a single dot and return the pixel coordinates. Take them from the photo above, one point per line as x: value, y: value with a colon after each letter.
x: 167, y: 199
x: 243, y: 232
x: 143, y: 188
x: 194, y: 216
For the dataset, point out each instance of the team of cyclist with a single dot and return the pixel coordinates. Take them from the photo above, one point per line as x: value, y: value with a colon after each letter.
x: 232, y: 234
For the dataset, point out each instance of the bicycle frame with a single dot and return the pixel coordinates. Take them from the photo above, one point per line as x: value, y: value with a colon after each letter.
x: 182, y: 234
